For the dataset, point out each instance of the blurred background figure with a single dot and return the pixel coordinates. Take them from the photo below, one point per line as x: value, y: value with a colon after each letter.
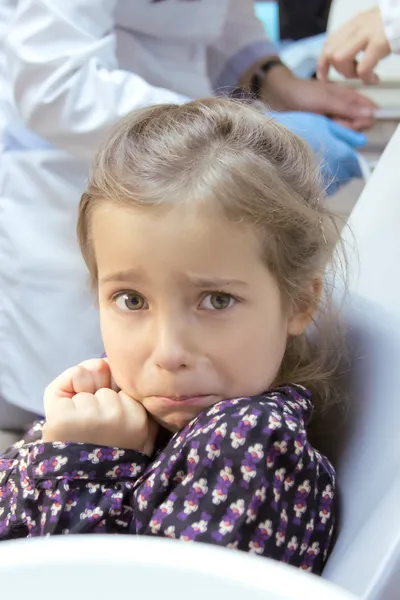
x: 298, y: 20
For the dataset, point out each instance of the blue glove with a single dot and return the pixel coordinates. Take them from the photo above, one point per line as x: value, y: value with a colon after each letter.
x: 332, y: 143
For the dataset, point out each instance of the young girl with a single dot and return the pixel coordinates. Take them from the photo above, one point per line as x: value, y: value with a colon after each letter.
x: 206, y: 236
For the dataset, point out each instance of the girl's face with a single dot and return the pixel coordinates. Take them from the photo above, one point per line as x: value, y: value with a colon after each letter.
x: 189, y: 313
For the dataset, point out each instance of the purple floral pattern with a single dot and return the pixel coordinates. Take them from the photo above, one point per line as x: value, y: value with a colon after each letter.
x: 242, y: 475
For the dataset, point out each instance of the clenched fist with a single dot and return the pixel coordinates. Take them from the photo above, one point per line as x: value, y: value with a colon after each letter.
x: 83, y: 405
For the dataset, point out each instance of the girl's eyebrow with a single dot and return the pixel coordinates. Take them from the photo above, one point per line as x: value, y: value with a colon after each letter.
x: 205, y: 282
x: 139, y: 276
x: 124, y: 276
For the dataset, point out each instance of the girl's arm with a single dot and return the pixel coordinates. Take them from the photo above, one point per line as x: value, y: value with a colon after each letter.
x: 253, y: 483
x: 56, y: 488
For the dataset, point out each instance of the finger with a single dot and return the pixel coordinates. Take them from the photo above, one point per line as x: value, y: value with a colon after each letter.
x: 323, y: 67
x: 331, y: 48
x: 63, y: 408
x: 372, y: 80
x: 137, y: 421
x: 345, y: 64
x: 113, y: 384
x: 368, y: 62
x: 133, y: 409
x: 360, y: 123
x: 353, y: 138
x: 363, y: 101
x: 100, y: 370
x: 63, y: 385
x: 344, y: 56
x: 354, y: 124
x: 83, y: 381
x: 69, y: 418
x: 352, y: 97
x: 344, y: 122
x: 109, y: 405
x: 348, y: 104
x: 86, y: 405
x: 55, y: 406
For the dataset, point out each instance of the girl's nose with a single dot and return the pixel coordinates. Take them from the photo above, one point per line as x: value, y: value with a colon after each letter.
x: 171, y: 352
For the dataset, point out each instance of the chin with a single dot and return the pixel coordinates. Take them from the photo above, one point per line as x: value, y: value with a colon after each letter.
x: 174, y: 422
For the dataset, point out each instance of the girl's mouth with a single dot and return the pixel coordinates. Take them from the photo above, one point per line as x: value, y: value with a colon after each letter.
x: 181, y: 401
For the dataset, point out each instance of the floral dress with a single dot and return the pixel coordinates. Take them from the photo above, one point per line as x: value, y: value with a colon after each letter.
x: 242, y: 475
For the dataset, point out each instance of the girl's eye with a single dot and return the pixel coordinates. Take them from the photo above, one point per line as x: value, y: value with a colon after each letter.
x: 130, y: 301
x: 217, y: 301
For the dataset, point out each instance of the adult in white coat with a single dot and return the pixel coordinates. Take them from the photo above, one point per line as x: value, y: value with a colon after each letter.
x: 10, y: 415
x: 6, y: 11
x: 375, y: 32
x: 77, y: 66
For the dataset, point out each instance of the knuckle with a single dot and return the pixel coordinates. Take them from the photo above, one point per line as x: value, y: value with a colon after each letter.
x: 380, y: 45
x: 107, y: 394
x: 363, y: 72
x: 77, y: 370
x: 110, y: 404
x: 48, y: 391
x: 93, y: 364
x: 339, y: 58
x: 364, y: 69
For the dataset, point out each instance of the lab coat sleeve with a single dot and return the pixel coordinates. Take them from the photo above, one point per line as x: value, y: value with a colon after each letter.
x: 6, y: 10
x: 66, y: 80
x: 242, y: 44
x: 391, y: 18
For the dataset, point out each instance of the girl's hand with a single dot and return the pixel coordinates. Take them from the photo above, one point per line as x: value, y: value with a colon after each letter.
x: 84, y: 405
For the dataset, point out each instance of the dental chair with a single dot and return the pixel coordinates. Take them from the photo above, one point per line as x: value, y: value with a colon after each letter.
x: 107, y: 566
x: 365, y: 445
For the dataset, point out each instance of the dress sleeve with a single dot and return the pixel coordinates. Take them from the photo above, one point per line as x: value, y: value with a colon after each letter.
x: 390, y: 10
x: 243, y: 43
x: 57, y: 488
x: 253, y: 483
x: 32, y: 435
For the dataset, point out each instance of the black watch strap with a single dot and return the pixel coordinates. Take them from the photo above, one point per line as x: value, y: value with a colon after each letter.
x: 258, y: 78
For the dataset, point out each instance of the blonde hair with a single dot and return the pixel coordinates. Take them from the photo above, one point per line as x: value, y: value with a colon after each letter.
x: 252, y: 170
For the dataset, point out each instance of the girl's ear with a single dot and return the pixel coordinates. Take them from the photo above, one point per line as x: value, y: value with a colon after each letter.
x: 301, y: 317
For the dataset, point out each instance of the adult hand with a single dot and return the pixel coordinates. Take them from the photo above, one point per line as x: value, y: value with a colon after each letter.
x: 333, y: 144
x: 83, y: 405
x: 365, y: 32
x: 284, y: 91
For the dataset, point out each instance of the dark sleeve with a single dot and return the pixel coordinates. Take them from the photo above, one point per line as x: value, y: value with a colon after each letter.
x: 257, y: 485
x: 31, y: 436
x: 56, y: 488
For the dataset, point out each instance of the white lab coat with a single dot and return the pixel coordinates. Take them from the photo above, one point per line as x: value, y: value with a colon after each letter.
x: 6, y: 113
x: 390, y: 10
x: 76, y: 66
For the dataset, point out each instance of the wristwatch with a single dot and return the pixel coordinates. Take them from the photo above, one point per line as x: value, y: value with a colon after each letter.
x: 257, y: 81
